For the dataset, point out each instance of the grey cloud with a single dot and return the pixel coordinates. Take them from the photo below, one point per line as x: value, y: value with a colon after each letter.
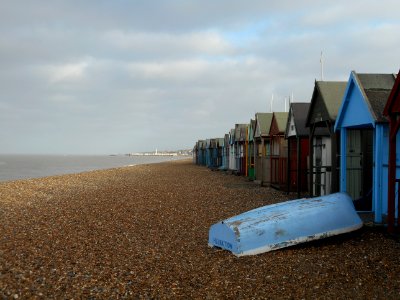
x: 121, y: 76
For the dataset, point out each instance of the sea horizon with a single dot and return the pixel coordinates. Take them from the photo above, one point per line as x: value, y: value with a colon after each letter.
x: 29, y: 166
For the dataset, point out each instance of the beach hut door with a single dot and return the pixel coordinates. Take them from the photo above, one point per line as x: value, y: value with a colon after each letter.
x: 318, y: 184
x: 359, y: 167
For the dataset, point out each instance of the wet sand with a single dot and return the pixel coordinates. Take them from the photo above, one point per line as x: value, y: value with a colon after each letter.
x: 141, y: 232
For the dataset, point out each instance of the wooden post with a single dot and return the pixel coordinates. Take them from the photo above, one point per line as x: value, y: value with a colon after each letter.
x: 343, y: 162
x: 377, y: 182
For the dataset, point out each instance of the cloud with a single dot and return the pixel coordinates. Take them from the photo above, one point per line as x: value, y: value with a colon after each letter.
x: 125, y: 76
x: 173, y: 45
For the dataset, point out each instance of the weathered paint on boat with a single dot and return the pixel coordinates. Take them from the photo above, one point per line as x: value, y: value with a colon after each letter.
x: 285, y: 224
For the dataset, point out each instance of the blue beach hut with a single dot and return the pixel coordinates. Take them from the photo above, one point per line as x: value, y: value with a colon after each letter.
x: 225, y: 153
x: 219, y: 149
x: 201, y: 156
x: 208, y: 152
x: 212, y: 153
x: 364, y: 141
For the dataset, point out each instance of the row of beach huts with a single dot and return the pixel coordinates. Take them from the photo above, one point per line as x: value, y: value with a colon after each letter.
x: 344, y: 139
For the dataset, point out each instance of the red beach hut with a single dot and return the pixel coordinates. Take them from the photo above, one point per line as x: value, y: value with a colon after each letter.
x: 278, y: 150
x: 392, y: 111
x: 298, y: 148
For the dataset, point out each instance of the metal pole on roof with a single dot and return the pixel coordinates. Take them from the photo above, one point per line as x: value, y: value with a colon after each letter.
x: 321, y: 60
x: 285, y: 104
x: 270, y: 103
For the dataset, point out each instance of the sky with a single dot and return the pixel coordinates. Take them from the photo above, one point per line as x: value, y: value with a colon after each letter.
x: 115, y: 77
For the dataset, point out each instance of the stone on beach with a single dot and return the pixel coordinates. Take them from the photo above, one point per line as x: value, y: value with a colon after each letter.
x: 142, y: 231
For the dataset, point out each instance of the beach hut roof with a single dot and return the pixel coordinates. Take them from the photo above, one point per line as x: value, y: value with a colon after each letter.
x: 232, y: 136
x: 377, y: 88
x: 201, y: 144
x: 281, y: 121
x: 252, y: 123
x: 220, y: 142
x: 368, y: 94
x: 263, y: 124
x: 298, y: 112
x: 325, y: 101
x: 393, y: 102
x: 252, y: 128
x: 239, y: 128
x: 226, y: 137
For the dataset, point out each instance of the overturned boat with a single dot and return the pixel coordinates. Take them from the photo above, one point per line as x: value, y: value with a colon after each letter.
x: 285, y: 224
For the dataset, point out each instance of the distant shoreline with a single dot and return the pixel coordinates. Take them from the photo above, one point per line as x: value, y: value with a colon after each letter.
x: 174, y: 155
x: 17, y: 167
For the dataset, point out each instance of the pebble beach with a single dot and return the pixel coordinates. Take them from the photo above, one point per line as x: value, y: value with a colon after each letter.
x: 141, y: 232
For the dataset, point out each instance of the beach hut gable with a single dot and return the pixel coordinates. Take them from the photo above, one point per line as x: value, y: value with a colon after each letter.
x: 263, y: 124
x: 274, y: 127
x: 318, y: 111
x: 364, y: 100
x: 291, y: 125
x: 296, y: 122
x: 252, y: 127
x: 325, y: 101
x: 278, y: 123
x: 257, y: 130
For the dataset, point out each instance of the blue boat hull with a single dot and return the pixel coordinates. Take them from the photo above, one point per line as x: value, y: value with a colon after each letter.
x: 285, y: 224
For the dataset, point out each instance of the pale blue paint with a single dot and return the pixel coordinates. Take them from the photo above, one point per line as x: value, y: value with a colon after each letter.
x: 284, y: 224
x: 354, y: 111
x: 377, y: 179
x: 225, y: 157
x: 343, y: 160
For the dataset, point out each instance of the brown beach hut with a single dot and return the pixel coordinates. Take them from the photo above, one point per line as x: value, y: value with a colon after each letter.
x: 262, y: 168
x: 278, y: 157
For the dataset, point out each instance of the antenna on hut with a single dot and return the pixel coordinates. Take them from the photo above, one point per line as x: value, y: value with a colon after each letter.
x: 270, y: 103
x: 321, y: 60
x: 285, y: 104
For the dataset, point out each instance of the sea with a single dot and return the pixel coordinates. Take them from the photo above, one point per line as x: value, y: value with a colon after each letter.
x: 13, y: 167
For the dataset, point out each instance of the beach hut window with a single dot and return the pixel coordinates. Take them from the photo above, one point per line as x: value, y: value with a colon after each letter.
x: 259, y: 150
x: 267, y: 148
